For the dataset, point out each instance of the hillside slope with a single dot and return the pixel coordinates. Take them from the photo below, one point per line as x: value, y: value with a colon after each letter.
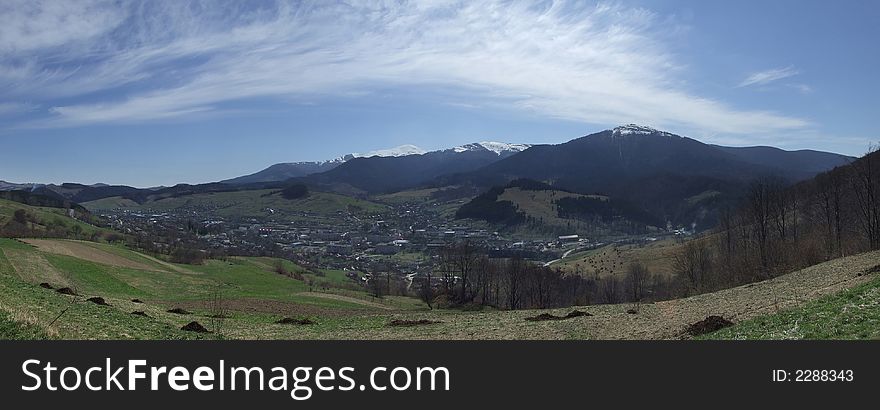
x: 253, y: 293
x: 45, y: 221
x: 257, y: 297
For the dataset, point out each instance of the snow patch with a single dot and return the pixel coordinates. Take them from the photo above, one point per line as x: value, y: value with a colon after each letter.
x: 497, y: 147
x: 634, y: 129
x: 400, y: 151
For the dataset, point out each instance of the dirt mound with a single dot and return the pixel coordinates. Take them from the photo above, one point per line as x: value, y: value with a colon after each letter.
x: 137, y: 301
x: 140, y: 313
x: 546, y: 316
x: 98, y: 301
x: 291, y: 321
x: 66, y: 291
x: 411, y: 323
x: 45, y: 285
x: 195, y: 327
x: 632, y: 312
x: 576, y: 313
x: 708, y: 325
x: 179, y: 311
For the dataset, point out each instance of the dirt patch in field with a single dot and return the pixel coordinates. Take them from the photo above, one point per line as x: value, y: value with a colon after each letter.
x: 67, y: 291
x: 98, y: 301
x: 292, y: 321
x: 137, y: 301
x: 84, y: 251
x: 195, y: 327
x: 708, y: 325
x: 412, y: 323
x: 546, y: 316
x: 45, y: 285
x: 179, y: 311
x: 140, y: 313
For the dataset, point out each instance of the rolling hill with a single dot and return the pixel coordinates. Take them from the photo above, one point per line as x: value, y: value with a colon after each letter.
x: 32, y: 272
x: 46, y: 221
x: 796, y: 165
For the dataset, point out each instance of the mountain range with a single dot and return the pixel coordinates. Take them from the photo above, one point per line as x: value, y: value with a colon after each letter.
x: 670, y: 176
x: 285, y: 171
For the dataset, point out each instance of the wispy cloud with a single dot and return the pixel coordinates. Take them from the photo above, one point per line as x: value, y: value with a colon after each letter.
x: 16, y: 108
x: 148, y: 61
x: 769, y: 76
x: 802, y: 88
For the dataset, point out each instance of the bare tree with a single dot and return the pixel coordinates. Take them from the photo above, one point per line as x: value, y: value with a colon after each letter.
x: 218, y: 311
x: 426, y: 289
x: 865, y: 180
x: 637, y: 281
x: 694, y: 262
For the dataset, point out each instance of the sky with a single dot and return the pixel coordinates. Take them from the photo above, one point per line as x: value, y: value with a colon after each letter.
x: 164, y: 92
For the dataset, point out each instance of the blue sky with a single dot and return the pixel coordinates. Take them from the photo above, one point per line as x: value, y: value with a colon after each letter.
x: 162, y: 92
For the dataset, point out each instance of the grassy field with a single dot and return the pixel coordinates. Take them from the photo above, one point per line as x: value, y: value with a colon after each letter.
x: 852, y: 314
x: 658, y: 257
x: 541, y: 205
x: 12, y: 329
x: 836, y: 299
x: 253, y: 293
x: 249, y: 203
x: 412, y: 196
x: 610, y: 260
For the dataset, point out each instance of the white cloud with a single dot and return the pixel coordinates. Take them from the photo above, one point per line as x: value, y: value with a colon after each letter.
x: 27, y: 25
x: 769, y: 76
x: 602, y: 63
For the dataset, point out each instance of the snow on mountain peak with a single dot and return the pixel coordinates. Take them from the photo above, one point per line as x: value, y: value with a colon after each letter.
x: 496, y: 147
x: 399, y: 151
x: 634, y: 129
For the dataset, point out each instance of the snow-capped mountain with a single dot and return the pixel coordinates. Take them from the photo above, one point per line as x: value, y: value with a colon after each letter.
x: 499, y: 148
x: 635, y: 129
x: 399, y: 151
x: 284, y: 171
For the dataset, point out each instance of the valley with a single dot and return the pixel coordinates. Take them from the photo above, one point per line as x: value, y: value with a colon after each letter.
x: 640, y: 233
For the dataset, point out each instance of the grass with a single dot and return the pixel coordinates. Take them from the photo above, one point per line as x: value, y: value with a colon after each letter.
x: 43, y: 216
x: 28, y: 311
x: 539, y: 204
x: 852, y: 314
x: 13, y: 330
x: 658, y: 257
x: 331, y: 277
x: 258, y: 297
x: 411, y: 196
